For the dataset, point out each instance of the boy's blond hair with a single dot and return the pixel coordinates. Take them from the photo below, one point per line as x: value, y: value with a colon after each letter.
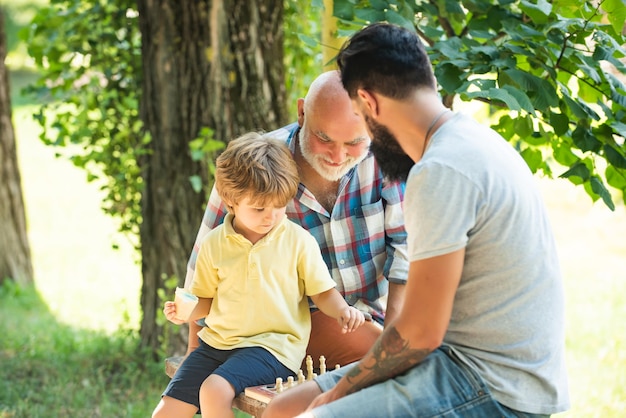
x: 259, y: 168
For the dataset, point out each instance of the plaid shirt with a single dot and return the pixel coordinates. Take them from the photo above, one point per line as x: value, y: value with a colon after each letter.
x: 363, y: 241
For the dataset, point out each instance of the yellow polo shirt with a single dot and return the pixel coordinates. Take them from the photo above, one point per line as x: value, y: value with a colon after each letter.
x: 260, y: 291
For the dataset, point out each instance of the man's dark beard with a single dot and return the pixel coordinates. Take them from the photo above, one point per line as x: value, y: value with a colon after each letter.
x: 393, y: 161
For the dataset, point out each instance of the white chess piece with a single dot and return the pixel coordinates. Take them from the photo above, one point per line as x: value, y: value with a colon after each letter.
x: 309, y: 368
x: 322, y: 364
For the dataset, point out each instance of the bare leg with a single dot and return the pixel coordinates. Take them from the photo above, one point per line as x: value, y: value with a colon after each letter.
x: 173, y: 408
x: 328, y: 341
x: 216, y: 397
x: 293, y: 401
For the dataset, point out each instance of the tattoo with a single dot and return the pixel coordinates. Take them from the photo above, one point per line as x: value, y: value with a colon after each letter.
x: 392, y: 355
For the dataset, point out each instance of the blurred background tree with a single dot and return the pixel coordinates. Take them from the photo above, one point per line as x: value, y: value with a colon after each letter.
x: 15, y: 260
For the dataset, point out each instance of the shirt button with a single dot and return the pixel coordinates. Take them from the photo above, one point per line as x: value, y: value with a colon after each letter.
x: 342, y: 262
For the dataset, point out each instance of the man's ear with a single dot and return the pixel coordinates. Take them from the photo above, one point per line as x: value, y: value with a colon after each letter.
x: 369, y: 101
x: 300, y: 112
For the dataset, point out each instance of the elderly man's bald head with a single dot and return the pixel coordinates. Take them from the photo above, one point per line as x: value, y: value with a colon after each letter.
x: 326, y: 89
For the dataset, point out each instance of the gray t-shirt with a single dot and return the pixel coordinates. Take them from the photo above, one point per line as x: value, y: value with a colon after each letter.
x: 472, y: 189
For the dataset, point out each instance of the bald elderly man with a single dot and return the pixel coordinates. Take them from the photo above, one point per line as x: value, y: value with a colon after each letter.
x: 351, y: 209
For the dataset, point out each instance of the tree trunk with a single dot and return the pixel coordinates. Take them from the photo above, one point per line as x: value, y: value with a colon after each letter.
x: 15, y: 262
x: 204, y: 65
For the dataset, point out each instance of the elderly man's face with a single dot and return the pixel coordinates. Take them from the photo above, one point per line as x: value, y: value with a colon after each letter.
x: 333, y: 148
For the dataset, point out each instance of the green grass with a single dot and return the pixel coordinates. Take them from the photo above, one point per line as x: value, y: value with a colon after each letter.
x: 68, y: 347
x: 54, y: 370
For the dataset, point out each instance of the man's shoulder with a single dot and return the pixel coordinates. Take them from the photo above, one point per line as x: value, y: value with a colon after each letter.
x: 297, y: 232
x: 283, y: 133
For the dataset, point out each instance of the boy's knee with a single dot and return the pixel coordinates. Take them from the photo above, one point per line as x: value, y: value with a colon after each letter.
x: 216, y: 387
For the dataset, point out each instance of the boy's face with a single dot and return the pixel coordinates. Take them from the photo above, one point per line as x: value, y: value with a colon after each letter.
x: 254, y: 221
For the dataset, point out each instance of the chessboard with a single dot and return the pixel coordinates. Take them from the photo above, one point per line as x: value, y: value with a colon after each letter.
x: 265, y: 393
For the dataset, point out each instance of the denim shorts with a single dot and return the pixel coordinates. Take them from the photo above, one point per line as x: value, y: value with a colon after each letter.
x: 441, y: 386
x: 241, y: 367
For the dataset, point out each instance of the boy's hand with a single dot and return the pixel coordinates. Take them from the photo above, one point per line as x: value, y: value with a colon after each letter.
x: 170, y: 313
x: 351, y: 318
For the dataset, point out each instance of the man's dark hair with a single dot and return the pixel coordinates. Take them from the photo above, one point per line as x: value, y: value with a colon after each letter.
x: 386, y: 59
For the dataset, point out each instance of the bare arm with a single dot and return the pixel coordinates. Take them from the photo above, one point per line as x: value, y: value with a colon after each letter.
x: 333, y: 304
x: 200, y: 311
x: 415, y: 333
x: 192, y: 340
x: 395, y: 297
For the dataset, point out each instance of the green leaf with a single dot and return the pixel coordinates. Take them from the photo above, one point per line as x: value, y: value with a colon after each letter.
x: 578, y: 108
x: 369, y: 15
x: 307, y: 40
x: 563, y: 155
x: 451, y: 49
x: 598, y: 188
x: 379, y: 4
x: 533, y: 158
x: 396, y: 18
x: 539, y: 12
x: 500, y: 95
x: 614, y: 157
x: 579, y: 170
x: 521, y: 98
x: 560, y: 123
x: 616, y: 13
x: 524, y: 126
x: 449, y: 76
x: 541, y: 93
x: 618, y: 90
x: 505, y: 126
x: 584, y: 139
x: 343, y: 9
x: 615, y: 177
x: 620, y: 128
x: 196, y: 183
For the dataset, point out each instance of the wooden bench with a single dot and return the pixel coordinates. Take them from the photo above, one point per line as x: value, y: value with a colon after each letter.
x: 243, y: 403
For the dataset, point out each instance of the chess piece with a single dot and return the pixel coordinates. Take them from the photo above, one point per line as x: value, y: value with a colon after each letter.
x: 279, y: 384
x: 309, y: 368
x: 290, y: 382
x: 322, y: 364
x: 301, y: 377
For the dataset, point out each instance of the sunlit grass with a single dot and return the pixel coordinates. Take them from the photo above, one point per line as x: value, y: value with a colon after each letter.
x: 54, y: 370
x: 84, y: 280
x: 592, y: 248
x: 87, y: 285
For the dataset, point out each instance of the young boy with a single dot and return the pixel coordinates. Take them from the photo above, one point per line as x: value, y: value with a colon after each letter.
x: 252, y: 279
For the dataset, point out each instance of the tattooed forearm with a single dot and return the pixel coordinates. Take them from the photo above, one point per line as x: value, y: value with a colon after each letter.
x: 391, y: 354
